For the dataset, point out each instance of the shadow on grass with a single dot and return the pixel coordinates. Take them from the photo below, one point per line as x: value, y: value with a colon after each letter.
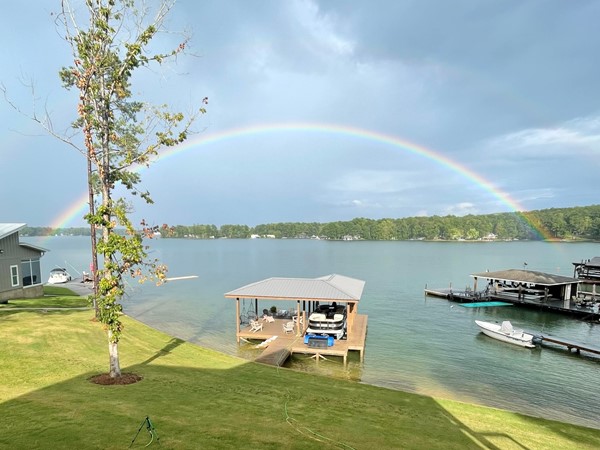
x: 171, y: 345
x: 245, y: 405
x: 198, y: 398
x: 483, y: 438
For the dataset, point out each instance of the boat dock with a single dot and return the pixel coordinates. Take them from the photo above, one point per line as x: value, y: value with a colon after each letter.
x: 580, y: 311
x: 283, y: 331
x: 286, y: 344
x: 571, y: 345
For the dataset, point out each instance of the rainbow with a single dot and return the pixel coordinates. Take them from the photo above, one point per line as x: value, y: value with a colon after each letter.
x: 77, y: 209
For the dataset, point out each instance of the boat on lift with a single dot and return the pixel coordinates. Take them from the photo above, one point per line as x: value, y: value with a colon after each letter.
x: 328, y: 319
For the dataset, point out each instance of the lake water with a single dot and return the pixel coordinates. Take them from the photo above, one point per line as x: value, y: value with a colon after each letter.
x: 415, y: 343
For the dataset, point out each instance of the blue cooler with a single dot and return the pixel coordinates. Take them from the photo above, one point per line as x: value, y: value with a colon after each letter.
x: 318, y: 340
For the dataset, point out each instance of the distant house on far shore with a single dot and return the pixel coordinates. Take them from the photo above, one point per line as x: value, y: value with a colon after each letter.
x: 20, y: 268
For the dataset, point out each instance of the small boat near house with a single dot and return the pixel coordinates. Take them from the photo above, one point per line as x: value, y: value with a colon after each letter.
x: 59, y: 276
x: 506, y: 333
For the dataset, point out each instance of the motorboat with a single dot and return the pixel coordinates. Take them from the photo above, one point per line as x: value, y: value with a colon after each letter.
x: 58, y: 276
x: 506, y: 333
x: 328, y: 319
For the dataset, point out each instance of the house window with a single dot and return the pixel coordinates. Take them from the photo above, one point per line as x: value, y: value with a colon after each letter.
x: 14, y: 275
x: 32, y: 272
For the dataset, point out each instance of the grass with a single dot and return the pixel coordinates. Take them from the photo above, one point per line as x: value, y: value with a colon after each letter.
x: 54, y: 297
x: 198, y: 398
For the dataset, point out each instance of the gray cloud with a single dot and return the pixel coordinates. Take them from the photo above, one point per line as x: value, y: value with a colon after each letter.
x: 502, y: 89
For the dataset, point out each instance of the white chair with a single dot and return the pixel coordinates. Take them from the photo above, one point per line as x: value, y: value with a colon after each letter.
x: 288, y: 327
x: 268, y: 319
x: 255, y: 326
x: 297, y: 319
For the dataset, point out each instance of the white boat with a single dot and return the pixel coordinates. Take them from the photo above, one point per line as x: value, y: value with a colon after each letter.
x: 58, y: 276
x: 506, y: 333
x: 328, y: 319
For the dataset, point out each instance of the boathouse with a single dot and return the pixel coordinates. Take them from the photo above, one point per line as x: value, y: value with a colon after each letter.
x: 528, y: 288
x: 285, y: 328
x: 588, y: 274
x: 527, y: 285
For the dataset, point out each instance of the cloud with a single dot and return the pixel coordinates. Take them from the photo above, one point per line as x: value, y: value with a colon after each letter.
x: 461, y: 209
x: 319, y: 29
x: 528, y: 195
x: 370, y: 182
x: 361, y: 204
x: 496, y: 88
x: 580, y: 136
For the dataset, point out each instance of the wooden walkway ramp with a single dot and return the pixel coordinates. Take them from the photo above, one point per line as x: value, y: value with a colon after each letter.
x: 277, y: 352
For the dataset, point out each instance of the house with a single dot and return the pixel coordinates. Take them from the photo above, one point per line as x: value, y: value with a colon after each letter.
x: 20, y: 268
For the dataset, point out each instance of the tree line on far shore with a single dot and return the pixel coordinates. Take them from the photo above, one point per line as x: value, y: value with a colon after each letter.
x: 576, y: 223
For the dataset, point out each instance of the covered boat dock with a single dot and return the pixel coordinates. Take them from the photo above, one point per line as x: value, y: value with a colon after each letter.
x: 588, y: 274
x: 528, y: 285
x: 526, y: 288
x: 285, y: 330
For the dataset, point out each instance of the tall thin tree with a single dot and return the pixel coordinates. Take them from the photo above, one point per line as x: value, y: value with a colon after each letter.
x: 119, y: 135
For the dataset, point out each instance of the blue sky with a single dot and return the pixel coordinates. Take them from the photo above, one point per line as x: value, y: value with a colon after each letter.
x: 508, y: 90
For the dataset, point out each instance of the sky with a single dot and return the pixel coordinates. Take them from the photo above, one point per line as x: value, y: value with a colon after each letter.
x: 324, y: 111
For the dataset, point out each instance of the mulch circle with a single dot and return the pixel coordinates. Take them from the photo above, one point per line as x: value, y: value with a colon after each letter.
x: 106, y: 380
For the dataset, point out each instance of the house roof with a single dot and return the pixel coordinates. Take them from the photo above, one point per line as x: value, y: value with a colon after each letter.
x: 10, y: 228
x: 526, y: 276
x: 33, y: 247
x: 328, y: 288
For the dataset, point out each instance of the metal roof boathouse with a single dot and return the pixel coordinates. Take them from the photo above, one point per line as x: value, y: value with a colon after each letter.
x: 542, y: 290
x: 307, y: 294
x: 528, y: 284
x: 535, y: 289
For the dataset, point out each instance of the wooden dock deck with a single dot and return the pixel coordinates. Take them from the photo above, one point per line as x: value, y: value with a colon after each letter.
x: 280, y: 349
x: 571, y: 345
x: 341, y: 347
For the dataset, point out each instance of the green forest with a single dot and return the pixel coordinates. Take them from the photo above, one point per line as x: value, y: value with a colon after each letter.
x: 577, y: 223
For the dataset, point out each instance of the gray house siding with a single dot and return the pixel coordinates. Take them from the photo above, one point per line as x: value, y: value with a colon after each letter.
x: 12, y: 254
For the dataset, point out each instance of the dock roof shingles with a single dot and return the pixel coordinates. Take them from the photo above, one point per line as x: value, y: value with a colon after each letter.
x: 328, y: 288
x: 526, y: 276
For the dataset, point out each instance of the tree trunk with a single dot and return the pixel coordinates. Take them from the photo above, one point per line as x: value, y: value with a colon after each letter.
x: 92, y: 209
x: 113, y: 352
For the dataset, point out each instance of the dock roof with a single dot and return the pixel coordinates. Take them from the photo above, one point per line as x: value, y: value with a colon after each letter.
x: 328, y: 288
x: 526, y: 276
x: 594, y: 262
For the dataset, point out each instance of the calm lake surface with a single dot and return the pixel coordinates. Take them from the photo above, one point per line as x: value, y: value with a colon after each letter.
x: 415, y: 343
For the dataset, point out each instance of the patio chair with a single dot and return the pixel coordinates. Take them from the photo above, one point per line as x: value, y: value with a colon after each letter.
x: 255, y: 326
x: 267, y: 318
x: 298, y: 319
x: 288, y: 327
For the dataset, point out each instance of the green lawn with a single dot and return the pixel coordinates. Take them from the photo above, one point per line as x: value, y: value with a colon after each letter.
x: 54, y: 297
x: 198, y: 398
